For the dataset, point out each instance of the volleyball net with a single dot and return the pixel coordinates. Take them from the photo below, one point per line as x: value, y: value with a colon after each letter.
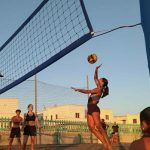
x: 48, y: 95
x: 53, y: 30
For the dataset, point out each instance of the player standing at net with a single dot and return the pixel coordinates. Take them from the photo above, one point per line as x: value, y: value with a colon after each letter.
x: 15, y: 123
x: 93, y: 113
x: 30, y: 121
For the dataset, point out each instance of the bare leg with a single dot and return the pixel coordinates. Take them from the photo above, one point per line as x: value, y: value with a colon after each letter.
x: 91, y: 125
x: 10, y: 143
x: 97, y: 122
x: 32, y: 142
x: 19, y: 144
x: 25, y: 140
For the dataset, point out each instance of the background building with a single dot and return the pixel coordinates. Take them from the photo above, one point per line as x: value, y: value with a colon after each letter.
x: 65, y: 112
x: 107, y: 114
x: 128, y: 119
x: 75, y: 112
x: 8, y: 107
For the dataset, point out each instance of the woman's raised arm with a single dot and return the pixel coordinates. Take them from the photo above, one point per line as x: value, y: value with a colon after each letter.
x: 96, y: 76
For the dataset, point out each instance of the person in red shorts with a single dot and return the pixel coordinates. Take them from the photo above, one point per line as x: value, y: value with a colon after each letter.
x: 93, y: 113
x: 16, y: 122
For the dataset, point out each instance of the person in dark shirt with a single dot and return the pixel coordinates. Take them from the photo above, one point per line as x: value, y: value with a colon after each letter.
x: 115, y: 133
x: 115, y: 128
x: 104, y: 125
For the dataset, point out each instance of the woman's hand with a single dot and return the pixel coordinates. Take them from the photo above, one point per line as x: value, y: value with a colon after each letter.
x: 98, y: 66
x: 74, y: 89
x: 96, y: 76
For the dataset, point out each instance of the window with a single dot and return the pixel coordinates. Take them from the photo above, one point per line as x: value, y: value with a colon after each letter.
x: 124, y: 121
x: 134, y: 121
x: 107, y: 117
x: 51, y: 117
x: 56, y: 116
x: 77, y: 115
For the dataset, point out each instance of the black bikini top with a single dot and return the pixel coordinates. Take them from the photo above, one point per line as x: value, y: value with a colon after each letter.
x: 30, y: 117
x: 93, y: 97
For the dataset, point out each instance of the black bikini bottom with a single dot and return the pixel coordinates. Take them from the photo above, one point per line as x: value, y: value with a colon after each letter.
x: 92, y: 108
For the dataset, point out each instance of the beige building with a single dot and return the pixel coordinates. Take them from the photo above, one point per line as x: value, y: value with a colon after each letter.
x: 128, y: 119
x: 8, y: 107
x: 107, y: 114
x: 65, y: 112
x: 78, y: 113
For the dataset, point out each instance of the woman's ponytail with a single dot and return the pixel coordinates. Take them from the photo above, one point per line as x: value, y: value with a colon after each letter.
x: 105, y: 90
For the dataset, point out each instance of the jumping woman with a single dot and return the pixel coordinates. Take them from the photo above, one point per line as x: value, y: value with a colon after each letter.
x: 30, y: 121
x: 93, y: 113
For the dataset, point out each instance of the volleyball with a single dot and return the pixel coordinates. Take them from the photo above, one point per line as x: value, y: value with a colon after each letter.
x: 92, y: 58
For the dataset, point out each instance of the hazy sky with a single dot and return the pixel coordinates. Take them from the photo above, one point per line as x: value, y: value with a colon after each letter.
x: 122, y: 52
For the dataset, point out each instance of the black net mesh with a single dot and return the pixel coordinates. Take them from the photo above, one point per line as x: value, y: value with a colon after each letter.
x: 53, y: 28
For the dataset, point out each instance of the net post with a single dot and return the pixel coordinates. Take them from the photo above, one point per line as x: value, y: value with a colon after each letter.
x: 86, y: 16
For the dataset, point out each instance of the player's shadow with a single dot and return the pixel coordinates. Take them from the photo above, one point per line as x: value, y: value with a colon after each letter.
x: 121, y: 147
x: 64, y: 146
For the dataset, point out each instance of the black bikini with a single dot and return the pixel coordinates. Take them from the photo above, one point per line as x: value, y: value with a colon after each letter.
x: 30, y: 130
x: 93, y: 107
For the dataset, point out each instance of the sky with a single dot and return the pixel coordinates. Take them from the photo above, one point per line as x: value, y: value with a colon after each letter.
x: 122, y: 53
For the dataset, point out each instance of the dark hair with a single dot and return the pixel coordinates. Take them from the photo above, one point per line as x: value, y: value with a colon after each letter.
x: 30, y: 105
x: 145, y: 116
x: 105, y: 90
x: 18, y: 110
x: 103, y: 120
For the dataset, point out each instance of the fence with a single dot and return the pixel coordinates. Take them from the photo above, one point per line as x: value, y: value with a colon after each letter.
x: 70, y: 132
